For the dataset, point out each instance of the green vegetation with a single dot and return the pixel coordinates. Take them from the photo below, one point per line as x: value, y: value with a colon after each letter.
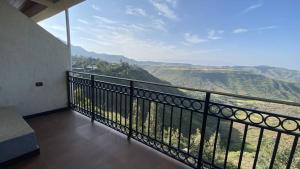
x: 146, y: 113
x: 229, y: 80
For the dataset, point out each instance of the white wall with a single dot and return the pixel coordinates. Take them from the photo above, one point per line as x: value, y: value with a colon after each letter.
x: 29, y: 54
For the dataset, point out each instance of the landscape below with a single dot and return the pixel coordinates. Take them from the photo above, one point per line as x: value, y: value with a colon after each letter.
x: 261, y: 81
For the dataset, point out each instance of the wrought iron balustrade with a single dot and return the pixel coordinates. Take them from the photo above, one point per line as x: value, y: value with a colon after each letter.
x: 187, y: 129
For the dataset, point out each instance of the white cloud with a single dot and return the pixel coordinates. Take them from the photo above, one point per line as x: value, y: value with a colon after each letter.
x: 122, y: 39
x: 172, y: 2
x: 159, y: 24
x: 164, y: 9
x: 135, y: 11
x: 253, y: 7
x: 194, y: 39
x: 95, y: 7
x: 240, y: 30
x: 105, y: 20
x: 83, y: 21
x: 215, y: 34
x: 266, y: 28
x: 244, y: 30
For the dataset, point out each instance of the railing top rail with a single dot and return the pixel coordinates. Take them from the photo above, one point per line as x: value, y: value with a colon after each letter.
x: 198, y: 90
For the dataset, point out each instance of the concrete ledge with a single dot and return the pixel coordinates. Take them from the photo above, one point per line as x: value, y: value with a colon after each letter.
x: 17, y: 138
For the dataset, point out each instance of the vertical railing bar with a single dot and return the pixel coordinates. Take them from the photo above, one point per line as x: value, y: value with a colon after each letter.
x: 81, y: 98
x: 80, y: 103
x: 116, y: 107
x: 156, y: 112
x: 107, y: 109
x: 203, y: 130
x: 137, y: 115
x: 163, y: 124
x: 275, y: 150
x: 125, y: 107
x: 120, y: 108
x: 243, y: 146
x: 93, y: 97
x: 228, y: 144
x: 100, y: 102
x: 74, y: 94
x: 171, y: 126
x: 96, y: 102
x: 190, y: 132
x: 149, y: 116
x: 180, y: 124
x: 112, y: 108
x: 130, y: 109
x: 290, y: 160
x: 261, y: 133
x: 86, y: 88
x: 84, y: 98
x: 143, y: 115
x: 215, y: 142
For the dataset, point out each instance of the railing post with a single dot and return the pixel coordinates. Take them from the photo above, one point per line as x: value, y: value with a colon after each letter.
x: 130, y: 109
x: 203, y: 130
x: 93, y: 97
x: 68, y: 89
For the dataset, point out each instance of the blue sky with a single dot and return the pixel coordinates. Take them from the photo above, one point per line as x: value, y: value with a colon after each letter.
x: 204, y: 32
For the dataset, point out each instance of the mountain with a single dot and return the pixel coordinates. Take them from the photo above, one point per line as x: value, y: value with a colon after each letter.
x: 123, y: 70
x: 273, y: 72
x: 260, y: 81
x: 79, y: 51
x: 230, y: 79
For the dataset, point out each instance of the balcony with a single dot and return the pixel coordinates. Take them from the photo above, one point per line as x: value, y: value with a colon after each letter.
x: 120, y: 124
x: 110, y: 122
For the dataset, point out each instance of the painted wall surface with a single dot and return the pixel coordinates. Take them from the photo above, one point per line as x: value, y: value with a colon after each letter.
x: 29, y: 54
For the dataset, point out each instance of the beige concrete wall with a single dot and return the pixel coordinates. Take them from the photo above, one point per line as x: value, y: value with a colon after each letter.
x: 29, y: 54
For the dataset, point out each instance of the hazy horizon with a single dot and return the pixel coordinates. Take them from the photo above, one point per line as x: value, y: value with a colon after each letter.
x: 212, y: 33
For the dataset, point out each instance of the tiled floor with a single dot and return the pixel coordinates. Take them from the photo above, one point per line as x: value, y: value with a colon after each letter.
x: 69, y: 140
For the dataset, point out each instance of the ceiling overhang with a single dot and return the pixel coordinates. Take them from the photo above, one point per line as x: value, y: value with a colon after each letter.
x: 39, y: 10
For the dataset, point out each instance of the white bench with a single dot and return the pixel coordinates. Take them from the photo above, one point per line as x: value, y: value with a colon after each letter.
x: 17, y: 138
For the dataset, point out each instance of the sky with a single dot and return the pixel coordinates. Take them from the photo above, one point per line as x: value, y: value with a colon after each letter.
x: 202, y: 32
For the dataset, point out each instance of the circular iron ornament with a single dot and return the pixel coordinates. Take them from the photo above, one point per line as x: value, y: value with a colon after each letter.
x: 270, y: 121
x: 186, y: 103
x: 141, y: 93
x: 174, y: 152
x: 177, y: 101
x: 158, y: 145
x: 214, y: 109
x: 135, y: 92
x: 240, y: 115
x: 160, y: 97
x: 165, y: 148
x: 153, y: 96
x: 197, y: 105
x: 168, y: 99
x: 227, y: 112
x: 147, y: 94
x: 290, y: 127
x: 191, y: 160
x: 151, y: 142
x: 182, y: 156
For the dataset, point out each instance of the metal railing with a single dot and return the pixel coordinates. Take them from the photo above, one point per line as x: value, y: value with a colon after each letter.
x: 201, y: 133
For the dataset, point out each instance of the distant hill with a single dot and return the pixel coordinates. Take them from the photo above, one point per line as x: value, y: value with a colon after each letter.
x: 232, y: 80
x: 79, y: 51
x: 123, y: 70
x: 273, y: 72
x: 261, y: 81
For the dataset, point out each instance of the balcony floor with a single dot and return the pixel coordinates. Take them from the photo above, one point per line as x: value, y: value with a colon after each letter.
x: 69, y: 140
